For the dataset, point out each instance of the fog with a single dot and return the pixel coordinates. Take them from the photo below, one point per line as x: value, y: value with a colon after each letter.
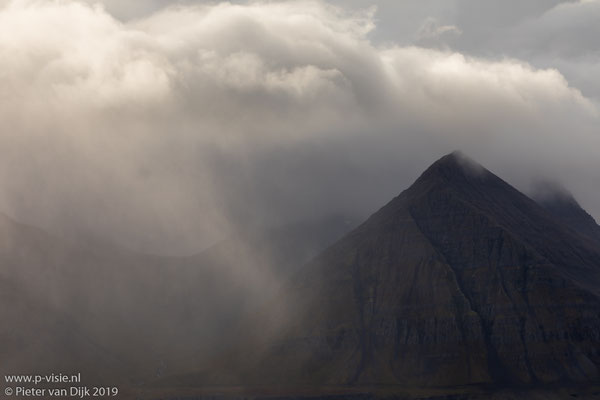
x: 167, y: 127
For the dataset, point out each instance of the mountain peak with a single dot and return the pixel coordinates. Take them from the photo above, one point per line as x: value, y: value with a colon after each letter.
x: 455, y: 164
x: 452, y: 170
x: 456, y: 156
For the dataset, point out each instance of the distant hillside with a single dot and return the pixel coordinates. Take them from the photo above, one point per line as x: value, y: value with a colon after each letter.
x: 116, y: 316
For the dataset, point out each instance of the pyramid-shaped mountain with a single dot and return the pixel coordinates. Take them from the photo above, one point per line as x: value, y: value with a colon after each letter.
x: 459, y: 280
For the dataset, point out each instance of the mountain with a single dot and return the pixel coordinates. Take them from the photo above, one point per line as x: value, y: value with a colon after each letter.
x: 561, y: 204
x: 71, y: 307
x: 119, y: 316
x: 460, y: 280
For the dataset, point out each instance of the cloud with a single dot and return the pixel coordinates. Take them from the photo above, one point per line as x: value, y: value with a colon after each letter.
x: 166, y: 132
x: 564, y: 37
x: 547, y: 34
x: 566, y: 30
x: 432, y: 32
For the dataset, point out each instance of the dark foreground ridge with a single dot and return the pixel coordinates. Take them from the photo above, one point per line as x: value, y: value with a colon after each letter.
x: 545, y: 394
x: 460, y: 280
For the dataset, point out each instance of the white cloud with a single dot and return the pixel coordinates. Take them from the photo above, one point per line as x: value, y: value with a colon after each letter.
x: 171, y: 127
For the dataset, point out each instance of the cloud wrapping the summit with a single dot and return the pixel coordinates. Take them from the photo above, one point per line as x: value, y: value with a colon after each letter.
x: 166, y: 132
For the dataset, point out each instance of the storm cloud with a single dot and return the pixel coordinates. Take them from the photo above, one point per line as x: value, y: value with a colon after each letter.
x: 167, y: 128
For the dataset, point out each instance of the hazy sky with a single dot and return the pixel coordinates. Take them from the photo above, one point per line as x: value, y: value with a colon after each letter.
x: 163, y: 125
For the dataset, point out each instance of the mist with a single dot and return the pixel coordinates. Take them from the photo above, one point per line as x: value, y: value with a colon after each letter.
x: 167, y: 132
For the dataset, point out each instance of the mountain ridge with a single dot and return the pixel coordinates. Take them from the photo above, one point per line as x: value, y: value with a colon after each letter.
x: 445, y: 285
x: 561, y: 204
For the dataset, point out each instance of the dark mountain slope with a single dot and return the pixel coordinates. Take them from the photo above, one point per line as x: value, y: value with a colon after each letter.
x: 459, y: 280
x: 562, y: 205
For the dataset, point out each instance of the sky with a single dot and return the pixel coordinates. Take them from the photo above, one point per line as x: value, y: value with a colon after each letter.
x: 164, y: 125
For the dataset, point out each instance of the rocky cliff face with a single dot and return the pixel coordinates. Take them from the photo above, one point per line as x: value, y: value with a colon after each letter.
x: 459, y: 280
